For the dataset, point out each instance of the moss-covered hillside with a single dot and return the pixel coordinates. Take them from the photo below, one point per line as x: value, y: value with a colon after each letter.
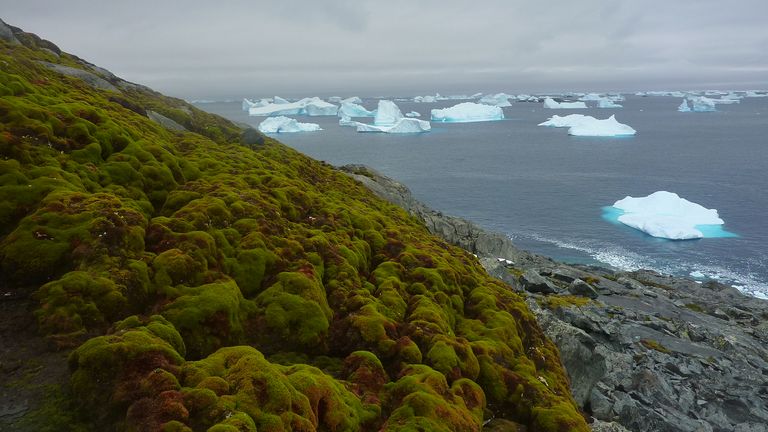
x: 203, y: 284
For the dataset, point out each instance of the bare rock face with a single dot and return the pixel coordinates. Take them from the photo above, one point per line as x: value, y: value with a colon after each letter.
x: 644, y: 351
x: 6, y: 33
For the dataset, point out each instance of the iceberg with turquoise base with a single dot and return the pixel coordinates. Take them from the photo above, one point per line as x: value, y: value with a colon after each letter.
x: 285, y: 124
x: 666, y: 215
x: 307, y: 106
x: 468, y: 112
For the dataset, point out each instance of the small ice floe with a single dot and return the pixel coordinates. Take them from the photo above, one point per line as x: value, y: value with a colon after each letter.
x: 553, y: 104
x: 582, y: 125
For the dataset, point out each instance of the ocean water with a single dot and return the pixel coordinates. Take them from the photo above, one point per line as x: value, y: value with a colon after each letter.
x: 547, y: 190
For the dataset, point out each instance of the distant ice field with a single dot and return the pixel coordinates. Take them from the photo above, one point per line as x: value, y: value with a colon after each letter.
x: 548, y: 190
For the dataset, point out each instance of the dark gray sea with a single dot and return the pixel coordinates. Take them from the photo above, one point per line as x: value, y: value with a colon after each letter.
x: 546, y: 190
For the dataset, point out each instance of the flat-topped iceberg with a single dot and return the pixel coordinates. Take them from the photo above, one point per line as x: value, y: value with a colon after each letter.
x: 582, y: 125
x: 351, y: 109
x: 609, y: 127
x: 500, y: 100
x: 468, y: 112
x: 285, y: 124
x: 307, y: 106
x: 553, y: 104
x: 403, y: 125
x: 664, y: 214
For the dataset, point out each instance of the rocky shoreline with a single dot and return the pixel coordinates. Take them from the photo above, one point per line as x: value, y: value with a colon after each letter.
x: 644, y: 351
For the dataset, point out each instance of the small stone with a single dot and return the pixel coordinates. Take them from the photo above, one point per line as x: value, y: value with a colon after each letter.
x: 580, y: 288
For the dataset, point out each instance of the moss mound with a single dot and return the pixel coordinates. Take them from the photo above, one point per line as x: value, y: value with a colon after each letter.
x: 215, y: 286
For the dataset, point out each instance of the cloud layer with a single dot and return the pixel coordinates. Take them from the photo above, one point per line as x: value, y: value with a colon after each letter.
x: 203, y: 49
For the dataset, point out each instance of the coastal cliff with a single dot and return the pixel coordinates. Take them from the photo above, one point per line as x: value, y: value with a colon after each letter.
x: 164, y: 269
x: 648, y: 351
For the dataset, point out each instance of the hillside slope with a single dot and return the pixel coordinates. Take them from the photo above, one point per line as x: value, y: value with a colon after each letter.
x: 204, y: 278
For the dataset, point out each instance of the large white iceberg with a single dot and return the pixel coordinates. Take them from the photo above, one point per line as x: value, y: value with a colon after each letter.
x: 581, y: 125
x: 403, y: 125
x: 351, y: 109
x: 553, y: 104
x: 468, y: 112
x: 666, y: 215
x: 499, y: 99
x: 387, y: 114
x: 307, y: 106
x: 284, y: 124
x: 684, y: 106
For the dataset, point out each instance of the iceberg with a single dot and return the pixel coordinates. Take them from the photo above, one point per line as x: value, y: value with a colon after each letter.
x: 334, y: 99
x: 664, y: 214
x: 247, y: 104
x: 412, y: 114
x: 350, y: 109
x: 307, y: 106
x: 500, y: 100
x: 581, y: 125
x: 754, y: 94
x: 279, y: 100
x: 403, y: 125
x: 285, y: 124
x: 468, y: 112
x: 684, y: 106
x: 702, y: 104
x: 345, y: 120
x: 387, y: 114
x: 353, y: 99
x: 552, y: 104
x: 425, y: 99
x: 607, y: 103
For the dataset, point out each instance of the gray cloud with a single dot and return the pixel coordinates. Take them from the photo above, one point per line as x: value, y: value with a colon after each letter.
x: 232, y: 48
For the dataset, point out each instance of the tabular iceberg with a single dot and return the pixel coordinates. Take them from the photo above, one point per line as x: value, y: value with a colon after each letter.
x: 664, y: 214
x: 552, y: 104
x: 307, y: 106
x: 581, y: 125
x: 499, y: 99
x: 684, y: 106
x: 468, y: 112
x: 284, y: 124
x: 351, y: 109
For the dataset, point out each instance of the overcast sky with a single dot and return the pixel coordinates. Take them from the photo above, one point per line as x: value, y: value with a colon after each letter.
x: 232, y: 48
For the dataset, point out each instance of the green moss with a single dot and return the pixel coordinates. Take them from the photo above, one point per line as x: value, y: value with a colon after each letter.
x: 553, y: 302
x: 107, y: 214
x: 695, y: 307
x: 654, y: 345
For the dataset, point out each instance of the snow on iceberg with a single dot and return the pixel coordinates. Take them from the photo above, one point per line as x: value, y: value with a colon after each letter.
x: 307, y: 106
x: 351, y: 109
x: 284, y: 124
x: 413, y: 114
x: 581, y: 125
x: 664, y: 214
x: 387, y: 114
x: 684, y: 106
x: 468, y: 112
x: 552, y: 104
x: 500, y: 100
x: 403, y: 125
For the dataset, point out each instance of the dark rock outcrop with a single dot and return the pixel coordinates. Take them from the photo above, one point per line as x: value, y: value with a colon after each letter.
x: 89, y: 78
x: 644, y: 351
x: 165, y: 122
